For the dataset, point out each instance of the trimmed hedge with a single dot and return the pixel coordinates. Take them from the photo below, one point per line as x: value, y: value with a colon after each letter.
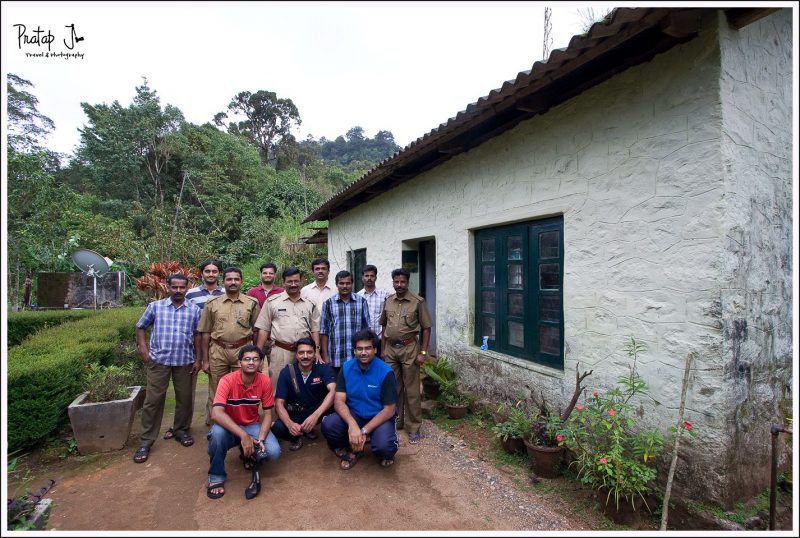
x: 44, y: 372
x: 23, y: 324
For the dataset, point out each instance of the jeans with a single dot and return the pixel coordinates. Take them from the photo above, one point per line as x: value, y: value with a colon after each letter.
x: 221, y: 440
x: 383, y: 440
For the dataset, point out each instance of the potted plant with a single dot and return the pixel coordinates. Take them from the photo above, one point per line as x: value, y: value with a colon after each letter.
x: 543, y: 444
x: 611, y: 455
x: 512, y: 430
x: 102, y: 416
x: 434, y: 373
x: 455, y: 400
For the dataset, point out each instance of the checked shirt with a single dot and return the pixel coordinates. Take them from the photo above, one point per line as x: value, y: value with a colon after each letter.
x: 375, y: 301
x: 340, y: 321
x: 172, y: 338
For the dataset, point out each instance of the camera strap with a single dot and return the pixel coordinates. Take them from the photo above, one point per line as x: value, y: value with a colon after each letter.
x: 293, y: 378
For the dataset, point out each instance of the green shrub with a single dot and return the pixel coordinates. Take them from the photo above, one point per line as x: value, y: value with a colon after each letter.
x: 45, y: 371
x: 23, y: 324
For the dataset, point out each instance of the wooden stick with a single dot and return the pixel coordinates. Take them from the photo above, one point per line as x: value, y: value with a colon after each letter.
x: 575, y: 395
x: 668, y: 490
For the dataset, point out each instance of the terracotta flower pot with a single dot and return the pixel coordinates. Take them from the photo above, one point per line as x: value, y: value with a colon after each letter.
x: 513, y: 445
x: 456, y: 411
x: 544, y: 459
x: 624, y: 513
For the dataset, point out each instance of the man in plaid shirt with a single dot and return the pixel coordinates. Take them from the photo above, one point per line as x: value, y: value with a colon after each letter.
x: 375, y: 297
x: 343, y: 315
x: 172, y: 353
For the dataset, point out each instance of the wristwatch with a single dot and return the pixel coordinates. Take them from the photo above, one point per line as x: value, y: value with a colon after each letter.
x: 364, y: 431
x: 424, y: 352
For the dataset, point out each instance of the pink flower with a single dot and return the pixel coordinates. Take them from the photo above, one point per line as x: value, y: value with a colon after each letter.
x: 559, y: 438
x: 611, y: 412
x: 603, y: 461
x: 579, y: 407
x: 687, y: 425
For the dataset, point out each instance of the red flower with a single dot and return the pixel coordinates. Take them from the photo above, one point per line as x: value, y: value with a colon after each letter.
x: 559, y: 438
x: 611, y: 412
x: 579, y: 407
x: 687, y: 425
x: 603, y: 461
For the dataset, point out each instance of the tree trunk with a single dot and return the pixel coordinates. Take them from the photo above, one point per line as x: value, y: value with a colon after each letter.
x: 177, y: 213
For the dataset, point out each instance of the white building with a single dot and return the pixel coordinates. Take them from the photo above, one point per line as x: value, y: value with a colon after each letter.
x: 638, y: 183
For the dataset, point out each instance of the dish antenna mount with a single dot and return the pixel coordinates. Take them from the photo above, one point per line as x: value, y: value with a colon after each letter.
x: 93, y: 264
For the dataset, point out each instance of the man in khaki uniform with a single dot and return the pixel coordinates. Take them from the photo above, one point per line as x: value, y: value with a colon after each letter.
x: 285, y: 319
x: 404, y: 316
x: 227, y: 324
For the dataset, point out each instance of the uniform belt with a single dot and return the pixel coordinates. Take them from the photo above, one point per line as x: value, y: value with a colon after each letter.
x: 231, y: 345
x: 284, y: 345
x: 402, y: 343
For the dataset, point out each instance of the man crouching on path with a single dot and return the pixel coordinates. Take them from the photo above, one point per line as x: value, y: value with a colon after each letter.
x: 235, y: 415
x: 366, y: 394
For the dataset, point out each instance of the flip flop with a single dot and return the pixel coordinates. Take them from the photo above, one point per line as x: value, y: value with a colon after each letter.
x: 312, y: 435
x: 217, y: 485
x: 141, y: 455
x: 169, y: 434
x: 340, y: 453
x: 184, y: 439
x: 349, y: 461
x: 387, y: 463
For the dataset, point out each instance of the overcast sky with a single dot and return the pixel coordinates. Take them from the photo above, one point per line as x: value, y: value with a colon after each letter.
x: 405, y: 67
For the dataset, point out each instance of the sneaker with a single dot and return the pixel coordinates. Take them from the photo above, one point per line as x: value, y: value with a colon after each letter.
x: 414, y: 438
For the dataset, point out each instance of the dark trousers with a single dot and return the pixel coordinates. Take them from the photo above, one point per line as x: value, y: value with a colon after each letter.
x: 280, y: 430
x: 383, y: 439
x: 158, y: 377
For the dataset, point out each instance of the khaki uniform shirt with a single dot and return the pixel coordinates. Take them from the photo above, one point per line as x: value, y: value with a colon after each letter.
x: 403, y: 318
x: 229, y: 320
x: 287, y: 320
x: 316, y: 295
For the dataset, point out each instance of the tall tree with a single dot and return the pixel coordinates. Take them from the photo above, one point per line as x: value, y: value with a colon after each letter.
x: 267, y: 120
x: 27, y: 127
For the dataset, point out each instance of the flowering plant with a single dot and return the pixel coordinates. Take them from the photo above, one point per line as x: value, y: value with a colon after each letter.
x: 547, y: 430
x: 609, y: 453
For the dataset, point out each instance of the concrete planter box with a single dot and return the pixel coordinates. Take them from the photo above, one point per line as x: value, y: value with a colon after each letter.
x: 103, y: 426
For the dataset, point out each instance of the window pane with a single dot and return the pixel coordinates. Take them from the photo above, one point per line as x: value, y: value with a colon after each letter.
x: 516, y: 334
x: 487, y: 302
x: 516, y: 304
x: 487, y: 327
x: 515, y: 276
x: 487, y: 279
x: 550, y: 308
x: 514, y: 247
x: 548, y: 244
x: 549, y: 277
x: 487, y: 250
x: 549, y: 340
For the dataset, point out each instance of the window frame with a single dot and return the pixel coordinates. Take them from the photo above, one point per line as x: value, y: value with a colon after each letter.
x: 356, y: 261
x: 528, y: 235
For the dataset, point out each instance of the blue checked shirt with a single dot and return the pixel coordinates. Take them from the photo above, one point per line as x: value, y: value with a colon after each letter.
x: 340, y: 321
x: 172, y: 338
x: 375, y: 302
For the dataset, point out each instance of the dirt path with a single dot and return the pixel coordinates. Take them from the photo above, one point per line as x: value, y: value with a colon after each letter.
x: 439, y: 484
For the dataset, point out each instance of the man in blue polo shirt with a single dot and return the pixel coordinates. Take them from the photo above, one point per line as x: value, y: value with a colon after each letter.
x: 365, y: 405
x: 303, y: 396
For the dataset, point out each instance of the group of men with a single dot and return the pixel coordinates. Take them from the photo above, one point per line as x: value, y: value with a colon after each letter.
x: 348, y: 361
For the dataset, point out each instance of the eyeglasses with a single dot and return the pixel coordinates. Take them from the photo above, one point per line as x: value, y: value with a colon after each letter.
x: 250, y: 359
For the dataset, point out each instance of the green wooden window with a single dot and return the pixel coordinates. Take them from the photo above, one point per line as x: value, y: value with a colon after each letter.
x: 356, y: 260
x: 519, y: 283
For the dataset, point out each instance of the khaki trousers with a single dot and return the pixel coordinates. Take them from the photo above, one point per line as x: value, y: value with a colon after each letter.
x: 278, y: 358
x: 221, y: 361
x: 403, y: 361
x: 158, y: 377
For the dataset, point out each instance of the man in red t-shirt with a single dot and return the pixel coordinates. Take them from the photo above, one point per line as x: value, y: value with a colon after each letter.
x: 267, y: 288
x: 236, y: 422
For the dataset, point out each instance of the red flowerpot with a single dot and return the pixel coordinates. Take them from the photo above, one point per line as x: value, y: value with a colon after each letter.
x: 544, y: 459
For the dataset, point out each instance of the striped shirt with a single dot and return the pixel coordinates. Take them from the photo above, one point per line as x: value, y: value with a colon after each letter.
x: 172, y: 338
x: 340, y: 321
x: 241, y: 402
x: 199, y: 295
x: 375, y: 302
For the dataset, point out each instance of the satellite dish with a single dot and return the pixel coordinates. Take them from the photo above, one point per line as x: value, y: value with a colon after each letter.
x: 93, y: 264
x: 90, y: 262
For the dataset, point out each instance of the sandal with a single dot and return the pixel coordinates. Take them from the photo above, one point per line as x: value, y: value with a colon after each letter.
x: 312, y: 435
x: 184, y: 438
x: 387, y: 463
x: 169, y: 434
x: 217, y: 486
x: 297, y: 445
x: 254, y: 488
x: 141, y: 455
x: 340, y: 453
x: 349, y: 461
